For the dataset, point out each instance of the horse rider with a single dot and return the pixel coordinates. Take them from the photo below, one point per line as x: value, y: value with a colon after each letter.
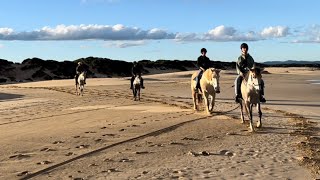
x: 136, y: 71
x: 244, y: 63
x: 80, y: 69
x: 203, y: 63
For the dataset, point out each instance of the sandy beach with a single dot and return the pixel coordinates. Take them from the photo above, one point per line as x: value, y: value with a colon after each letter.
x: 47, y: 132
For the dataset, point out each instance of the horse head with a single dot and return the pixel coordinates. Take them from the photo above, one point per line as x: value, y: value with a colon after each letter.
x: 215, y: 79
x: 254, y: 78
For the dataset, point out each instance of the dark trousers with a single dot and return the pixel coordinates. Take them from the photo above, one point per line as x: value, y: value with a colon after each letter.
x: 198, y: 78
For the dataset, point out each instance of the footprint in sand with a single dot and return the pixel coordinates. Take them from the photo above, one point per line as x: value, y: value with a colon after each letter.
x: 110, y: 135
x: 90, y: 132
x: 20, y: 156
x: 82, y: 146
x: 98, y: 140
x: 69, y: 154
x: 47, y: 149
x: 23, y: 173
x: 226, y: 153
x: 44, y: 162
x: 190, y: 139
x: 57, y: 142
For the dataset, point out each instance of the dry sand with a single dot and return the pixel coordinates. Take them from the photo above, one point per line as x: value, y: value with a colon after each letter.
x: 46, y: 132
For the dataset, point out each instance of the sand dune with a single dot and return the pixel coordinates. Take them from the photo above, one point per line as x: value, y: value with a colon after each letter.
x: 49, y: 133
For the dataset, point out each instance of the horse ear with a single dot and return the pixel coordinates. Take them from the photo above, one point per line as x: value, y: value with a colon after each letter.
x: 218, y: 70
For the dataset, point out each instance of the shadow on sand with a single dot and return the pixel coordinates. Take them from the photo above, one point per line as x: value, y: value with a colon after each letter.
x: 6, y: 96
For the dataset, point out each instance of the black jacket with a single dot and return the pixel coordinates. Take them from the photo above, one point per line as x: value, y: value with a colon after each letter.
x: 80, y: 69
x: 136, y: 69
x: 204, y: 62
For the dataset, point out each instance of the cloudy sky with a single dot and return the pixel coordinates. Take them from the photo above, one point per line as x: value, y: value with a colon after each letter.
x: 159, y: 29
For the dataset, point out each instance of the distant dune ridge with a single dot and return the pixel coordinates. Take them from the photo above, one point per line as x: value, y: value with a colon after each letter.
x: 36, y: 69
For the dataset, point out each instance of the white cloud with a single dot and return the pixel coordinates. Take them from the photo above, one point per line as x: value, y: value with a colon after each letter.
x: 309, y: 35
x: 123, y: 33
x: 275, y: 32
x: 219, y: 33
x: 125, y: 44
x: 85, y: 32
x: 5, y: 31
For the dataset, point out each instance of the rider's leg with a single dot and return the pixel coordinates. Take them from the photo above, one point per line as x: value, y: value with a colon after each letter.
x: 141, y: 80
x: 76, y: 78
x: 131, y: 82
x: 262, y: 99
x: 198, y: 79
x: 237, y: 86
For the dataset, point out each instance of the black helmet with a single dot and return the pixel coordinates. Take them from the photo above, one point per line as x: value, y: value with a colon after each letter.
x: 203, y: 50
x: 244, y: 45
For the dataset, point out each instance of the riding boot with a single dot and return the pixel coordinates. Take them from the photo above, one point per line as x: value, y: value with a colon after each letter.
x: 141, y: 80
x: 262, y: 99
x: 131, y: 82
x: 76, y: 78
x: 238, y: 89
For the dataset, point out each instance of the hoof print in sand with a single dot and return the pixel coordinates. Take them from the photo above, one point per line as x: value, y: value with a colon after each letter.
x: 20, y: 156
x: 24, y: 173
x: 83, y: 146
x: 58, y: 142
x: 44, y: 162
x: 142, y: 152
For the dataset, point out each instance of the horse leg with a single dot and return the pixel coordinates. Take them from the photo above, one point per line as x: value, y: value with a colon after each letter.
x: 206, y: 103
x: 139, y: 93
x: 81, y: 90
x: 77, y: 89
x: 250, y: 117
x: 194, y: 98
x: 213, y: 97
x: 241, y: 111
x: 259, y: 124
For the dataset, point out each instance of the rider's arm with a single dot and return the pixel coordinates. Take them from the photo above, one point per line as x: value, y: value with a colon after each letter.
x: 239, y: 66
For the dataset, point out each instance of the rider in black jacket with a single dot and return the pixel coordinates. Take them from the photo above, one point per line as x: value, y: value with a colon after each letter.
x: 203, y: 63
x: 79, y: 69
x: 136, y: 71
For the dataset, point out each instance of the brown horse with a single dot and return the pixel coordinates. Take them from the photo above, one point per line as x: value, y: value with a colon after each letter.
x: 209, y: 84
x: 250, y: 90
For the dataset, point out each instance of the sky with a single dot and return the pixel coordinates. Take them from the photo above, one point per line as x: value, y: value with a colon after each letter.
x: 132, y: 30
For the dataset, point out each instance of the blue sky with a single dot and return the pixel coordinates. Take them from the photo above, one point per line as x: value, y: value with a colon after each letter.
x: 159, y: 29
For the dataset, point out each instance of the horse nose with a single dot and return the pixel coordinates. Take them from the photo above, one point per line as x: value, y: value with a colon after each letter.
x: 218, y: 91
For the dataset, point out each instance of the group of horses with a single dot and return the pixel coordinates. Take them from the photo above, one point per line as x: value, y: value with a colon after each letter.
x: 209, y: 84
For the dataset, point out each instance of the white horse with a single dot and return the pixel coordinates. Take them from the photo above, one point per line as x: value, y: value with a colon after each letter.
x: 136, y: 88
x: 250, y: 90
x: 209, y: 84
x: 80, y: 83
